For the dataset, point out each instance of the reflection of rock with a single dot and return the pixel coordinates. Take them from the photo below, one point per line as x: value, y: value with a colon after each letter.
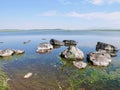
x: 43, y: 47
x: 69, y: 42
x: 99, y: 58
x: 79, y: 64
x: 18, y: 51
x: 72, y: 52
x: 43, y: 38
x: 44, y: 51
x: 1, y: 42
x: 107, y: 47
x: 6, y: 52
x: 26, y: 42
x: 56, y: 46
x: 56, y: 42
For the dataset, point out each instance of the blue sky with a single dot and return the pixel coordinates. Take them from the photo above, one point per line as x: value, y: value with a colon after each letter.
x: 64, y: 14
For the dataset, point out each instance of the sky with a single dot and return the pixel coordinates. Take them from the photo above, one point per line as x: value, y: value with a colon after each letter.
x: 62, y: 14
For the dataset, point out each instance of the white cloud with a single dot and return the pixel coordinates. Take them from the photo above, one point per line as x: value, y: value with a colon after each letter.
x: 96, y: 15
x: 100, y: 2
x: 90, y: 16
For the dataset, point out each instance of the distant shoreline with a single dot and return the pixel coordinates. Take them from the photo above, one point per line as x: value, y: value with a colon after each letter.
x: 17, y: 30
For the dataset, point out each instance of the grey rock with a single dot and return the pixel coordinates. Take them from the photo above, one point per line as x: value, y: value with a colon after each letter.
x: 79, y: 64
x: 72, y: 53
x: 26, y: 42
x: 6, y: 52
x: 43, y: 47
x: 16, y: 51
x: 99, y: 58
x: 56, y: 42
x: 107, y: 47
x: 69, y: 42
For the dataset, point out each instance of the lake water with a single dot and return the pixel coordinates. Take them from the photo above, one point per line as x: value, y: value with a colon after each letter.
x: 50, y: 72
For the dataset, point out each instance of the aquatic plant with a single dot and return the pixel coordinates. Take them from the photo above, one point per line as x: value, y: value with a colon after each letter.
x: 3, y: 81
x: 94, y: 79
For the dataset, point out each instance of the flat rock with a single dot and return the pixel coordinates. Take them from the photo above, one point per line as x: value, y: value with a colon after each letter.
x: 43, y: 47
x: 17, y: 51
x: 99, y: 58
x: 6, y: 52
x: 79, y: 64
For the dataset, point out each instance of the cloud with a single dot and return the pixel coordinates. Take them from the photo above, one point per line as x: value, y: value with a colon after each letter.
x: 101, y: 2
x: 96, y: 15
x: 87, y: 16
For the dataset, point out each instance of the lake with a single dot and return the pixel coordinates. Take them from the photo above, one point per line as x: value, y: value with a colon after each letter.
x: 50, y: 72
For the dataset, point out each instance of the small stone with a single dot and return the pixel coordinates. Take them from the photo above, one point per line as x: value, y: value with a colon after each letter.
x: 28, y: 75
x: 79, y: 64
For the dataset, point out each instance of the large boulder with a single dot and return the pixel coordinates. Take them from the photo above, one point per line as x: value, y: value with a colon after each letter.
x: 69, y: 42
x: 56, y: 42
x: 107, y: 47
x: 43, y: 47
x: 6, y: 52
x: 79, y: 64
x: 72, y: 53
x: 99, y: 58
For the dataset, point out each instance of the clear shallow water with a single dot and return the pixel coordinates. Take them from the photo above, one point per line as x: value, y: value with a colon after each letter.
x: 49, y: 70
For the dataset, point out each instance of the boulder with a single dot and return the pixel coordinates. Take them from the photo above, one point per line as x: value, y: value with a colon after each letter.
x: 6, y: 52
x: 107, y: 47
x: 99, y: 58
x: 56, y: 42
x: 79, y: 64
x: 72, y: 53
x: 69, y: 42
x: 43, y: 47
x: 16, y: 51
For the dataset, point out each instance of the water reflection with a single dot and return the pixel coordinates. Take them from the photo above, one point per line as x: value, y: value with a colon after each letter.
x: 44, y: 51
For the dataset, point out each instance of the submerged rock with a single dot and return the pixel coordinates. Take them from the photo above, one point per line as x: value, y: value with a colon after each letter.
x: 79, y: 64
x: 26, y: 42
x: 56, y: 42
x: 6, y: 52
x: 107, y: 47
x: 28, y: 75
x: 99, y: 58
x: 18, y: 51
x: 72, y: 52
x: 43, y: 47
x: 69, y: 42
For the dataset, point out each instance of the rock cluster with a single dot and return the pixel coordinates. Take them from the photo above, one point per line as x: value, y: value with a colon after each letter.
x: 9, y: 52
x: 102, y: 55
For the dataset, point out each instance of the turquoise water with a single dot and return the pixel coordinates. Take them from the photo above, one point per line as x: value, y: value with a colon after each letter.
x: 52, y: 72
